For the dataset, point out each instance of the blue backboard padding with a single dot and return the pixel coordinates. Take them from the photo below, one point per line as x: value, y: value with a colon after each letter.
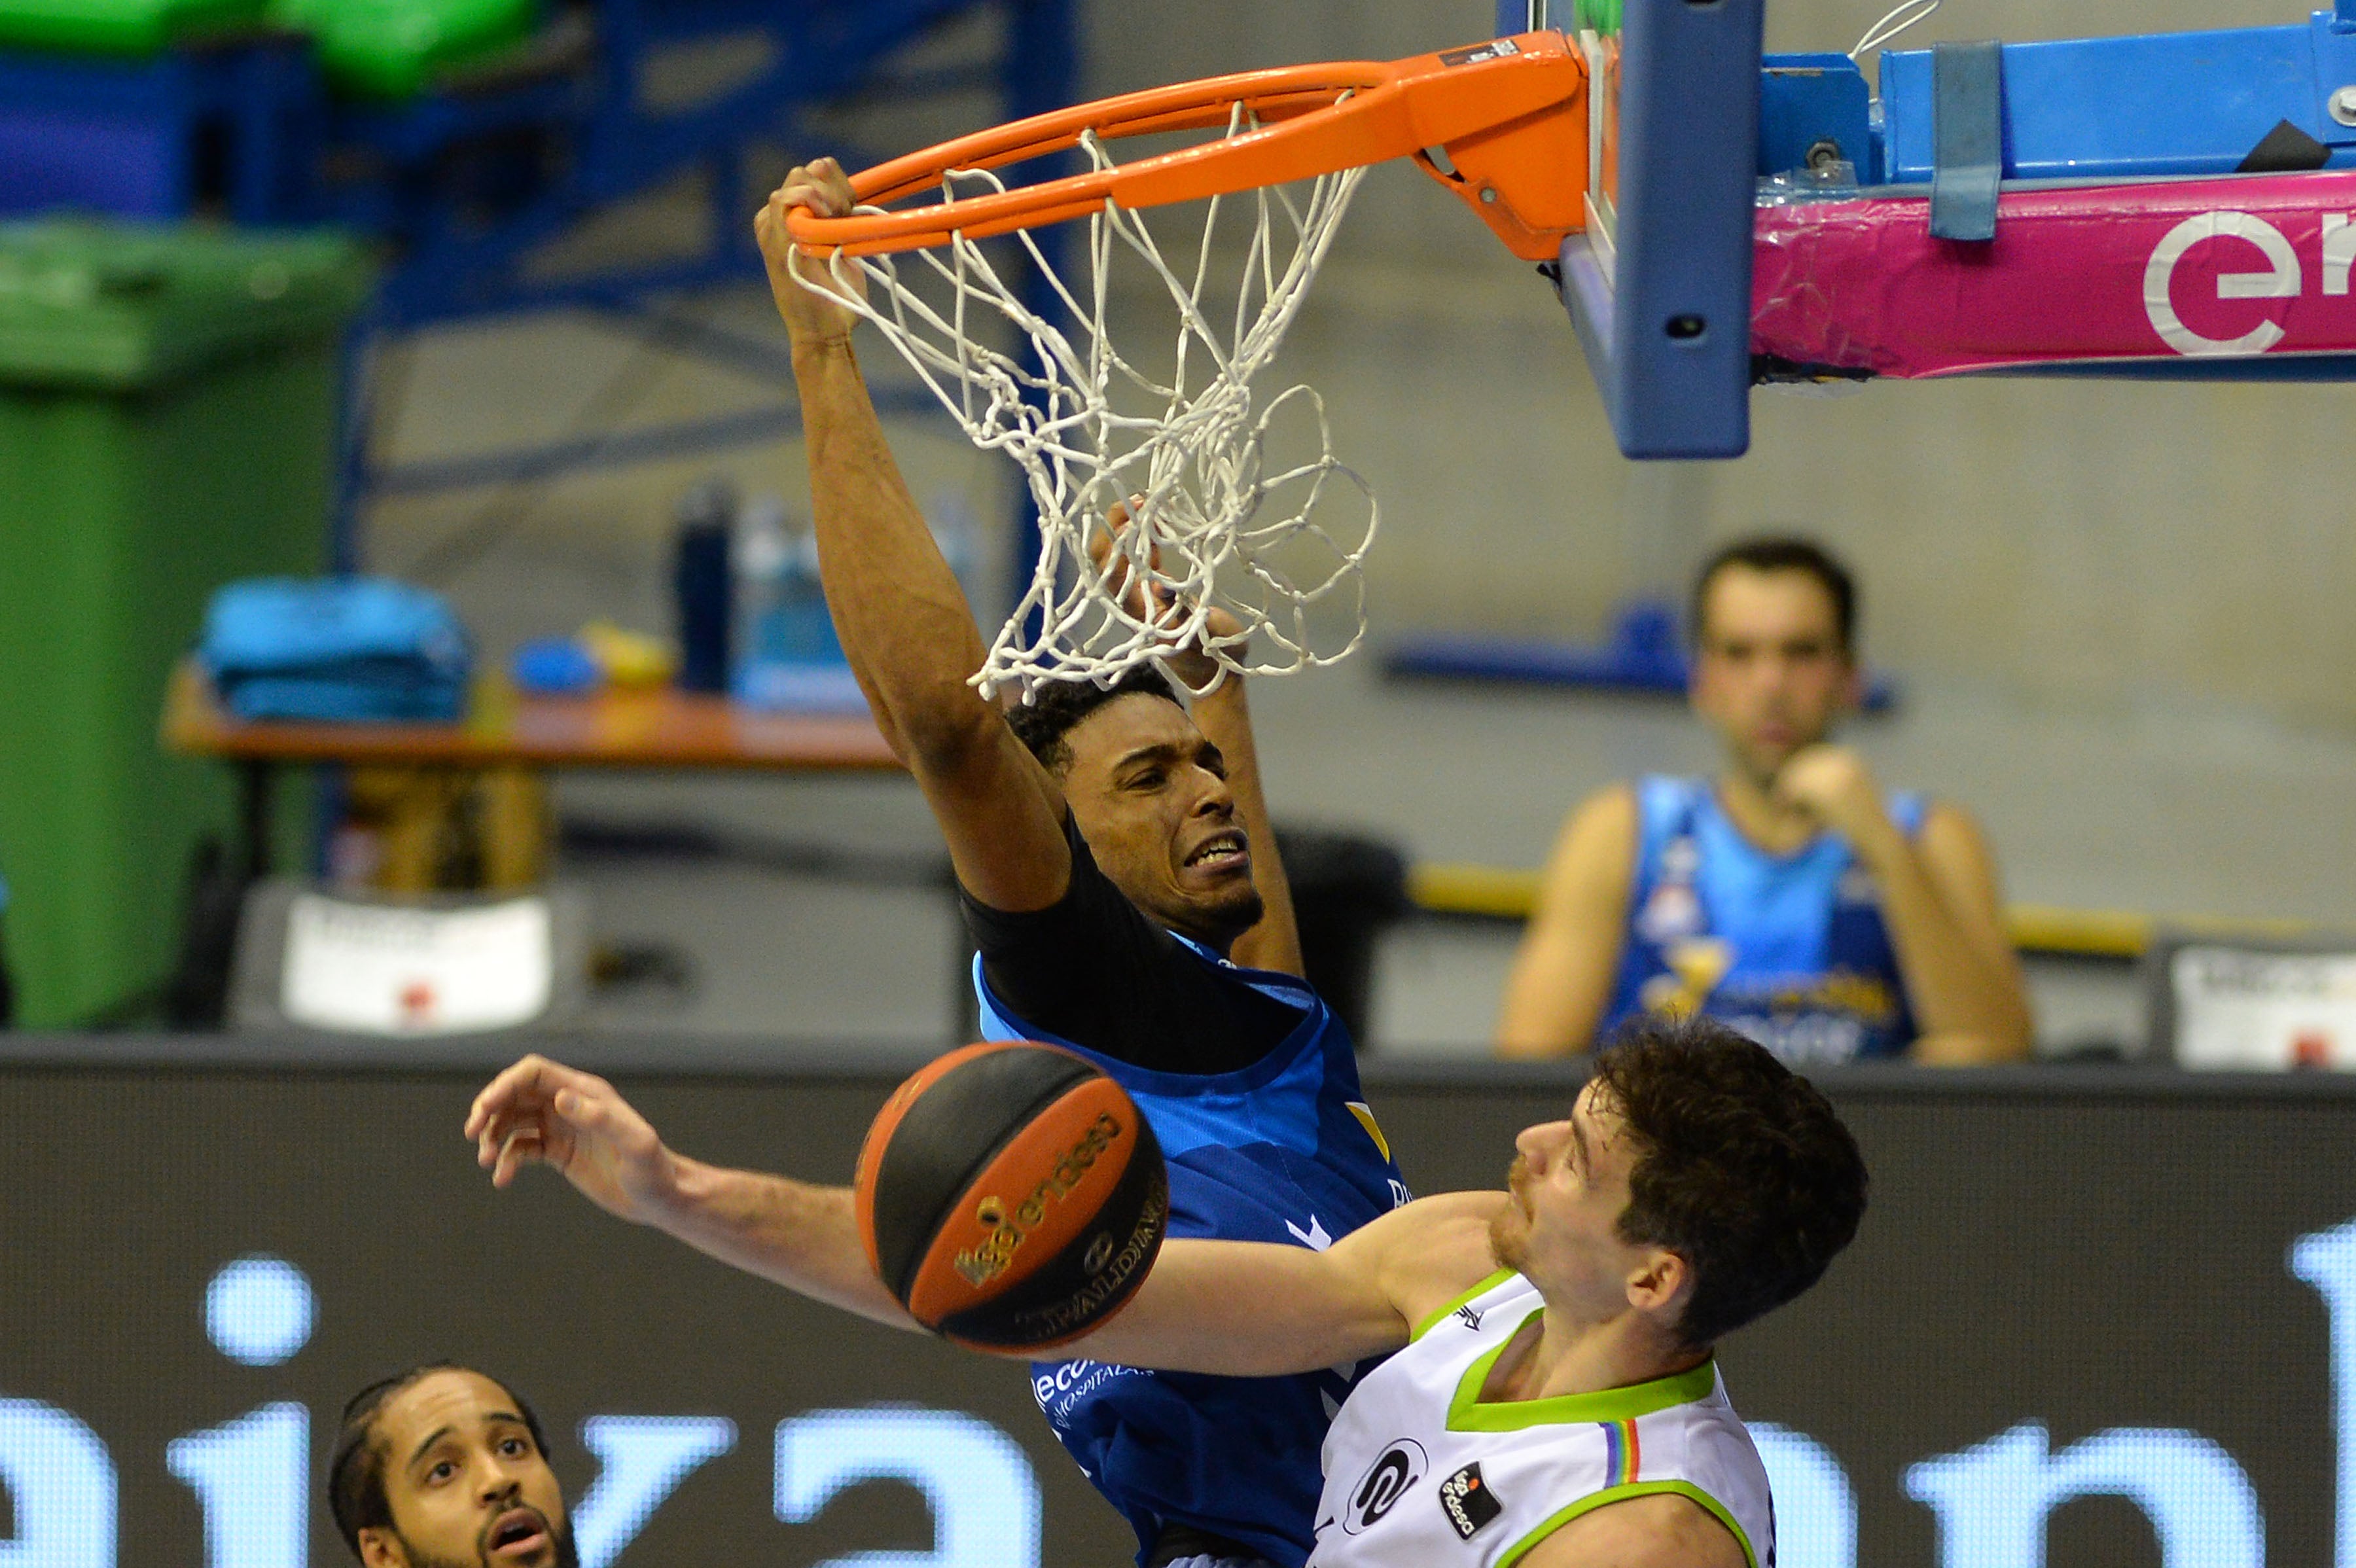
x: 1683, y: 232
x: 1805, y: 99
x: 2160, y: 104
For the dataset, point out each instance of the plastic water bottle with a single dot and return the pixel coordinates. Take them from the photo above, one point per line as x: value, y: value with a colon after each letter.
x: 763, y: 555
x: 957, y: 532
x: 700, y: 576
x: 792, y: 657
x: 804, y: 630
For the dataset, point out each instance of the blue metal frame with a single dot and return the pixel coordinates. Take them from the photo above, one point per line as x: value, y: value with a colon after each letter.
x: 139, y: 127
x: 2085, y: 110
x: 2165, y: 104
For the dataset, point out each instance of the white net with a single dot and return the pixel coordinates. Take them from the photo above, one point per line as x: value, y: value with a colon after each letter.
x: 1226, y: 503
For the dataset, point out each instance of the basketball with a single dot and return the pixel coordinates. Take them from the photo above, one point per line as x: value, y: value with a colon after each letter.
x: 1011, y: 1196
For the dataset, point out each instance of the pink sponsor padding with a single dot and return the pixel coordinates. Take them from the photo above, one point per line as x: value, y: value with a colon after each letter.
x: 2234, y: 266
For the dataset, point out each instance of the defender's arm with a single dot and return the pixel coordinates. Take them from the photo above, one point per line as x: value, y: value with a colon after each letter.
x: 803, y: 1237
x: 1249, y: 1309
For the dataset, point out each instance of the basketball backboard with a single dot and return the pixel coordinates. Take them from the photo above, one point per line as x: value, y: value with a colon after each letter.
x: 1658, y: 283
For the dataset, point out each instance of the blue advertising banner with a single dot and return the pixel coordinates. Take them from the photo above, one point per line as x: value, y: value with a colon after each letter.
x: 2095, y: 1317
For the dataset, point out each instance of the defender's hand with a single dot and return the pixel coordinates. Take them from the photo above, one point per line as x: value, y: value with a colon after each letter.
x: 545, y: 1112
x: 806, y: 290
x: 1833, y: 785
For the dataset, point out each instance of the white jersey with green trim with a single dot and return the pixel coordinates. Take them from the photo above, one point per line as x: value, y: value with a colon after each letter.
x: 1419, y: 1473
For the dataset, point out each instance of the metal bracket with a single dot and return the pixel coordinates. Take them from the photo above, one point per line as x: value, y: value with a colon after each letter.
x: 1967, y: 132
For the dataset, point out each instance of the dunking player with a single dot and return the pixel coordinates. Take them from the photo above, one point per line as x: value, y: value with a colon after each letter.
x: 1553, y: 1401
x: 1113, y: 852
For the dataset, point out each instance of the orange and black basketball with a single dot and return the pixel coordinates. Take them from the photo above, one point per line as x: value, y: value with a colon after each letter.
x: 1011, y: 1196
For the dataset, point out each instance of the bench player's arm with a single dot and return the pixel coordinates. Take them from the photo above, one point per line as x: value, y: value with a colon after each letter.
x: 904, y: 622
x: 800, y: 1236
x: 1561, y: 978
x: 1250, y: 1309
x: 1972, y: 1005
x: 1659, y: 1530
x: 1939, y: 903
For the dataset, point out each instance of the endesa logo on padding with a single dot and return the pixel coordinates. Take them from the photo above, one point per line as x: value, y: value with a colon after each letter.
x: 2221, y: 240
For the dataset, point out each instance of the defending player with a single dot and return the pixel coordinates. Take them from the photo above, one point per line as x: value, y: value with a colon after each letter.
x: 1553, y: 1401
x: 1113, y: 852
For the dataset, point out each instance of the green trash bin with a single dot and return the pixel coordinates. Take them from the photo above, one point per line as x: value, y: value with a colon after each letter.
x: 392, y: 49
x: 167, y: 424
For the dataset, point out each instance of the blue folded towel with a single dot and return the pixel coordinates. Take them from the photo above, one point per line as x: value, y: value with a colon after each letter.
x: 346, y: 648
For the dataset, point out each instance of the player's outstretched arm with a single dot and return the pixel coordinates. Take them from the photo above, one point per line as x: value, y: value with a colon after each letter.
x: 1251, y: 1309
x: 905, y: 623
x: 803, y: 1237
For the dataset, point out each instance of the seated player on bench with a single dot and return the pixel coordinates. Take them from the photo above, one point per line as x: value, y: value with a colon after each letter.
x: 1790, y: 896
x: 1551, y: 1399
x: 1112, y: 850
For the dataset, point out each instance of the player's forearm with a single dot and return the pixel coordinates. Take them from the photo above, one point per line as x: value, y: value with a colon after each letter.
x: 803, y: 1237
x: 903, y: 619
x: 1967, y: 1006
x: 1246, y: 1309
x: 1225, y: 719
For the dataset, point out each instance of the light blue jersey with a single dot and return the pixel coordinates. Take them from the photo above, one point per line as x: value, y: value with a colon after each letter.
x: 1788, y: 949
x: 1283, y: 1151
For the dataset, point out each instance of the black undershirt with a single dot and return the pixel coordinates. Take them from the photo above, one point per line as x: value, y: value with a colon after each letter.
x: 1094, y: 970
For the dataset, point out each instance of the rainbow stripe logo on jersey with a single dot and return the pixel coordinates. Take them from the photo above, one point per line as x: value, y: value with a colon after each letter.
x: 1621, y: 1453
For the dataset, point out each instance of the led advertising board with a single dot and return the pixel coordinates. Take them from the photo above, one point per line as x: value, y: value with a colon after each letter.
x: 2093, y: 1319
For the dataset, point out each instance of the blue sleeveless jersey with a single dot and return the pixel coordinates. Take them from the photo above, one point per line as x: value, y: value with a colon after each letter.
x: 1283, y: 1151
x: 1790, y: 950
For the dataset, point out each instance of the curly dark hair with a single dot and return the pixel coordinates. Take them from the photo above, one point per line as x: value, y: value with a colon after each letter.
x: 1742, y: 1167
x: 1043, y: 724
x: 1781, y: 553
x: 355, y: 1473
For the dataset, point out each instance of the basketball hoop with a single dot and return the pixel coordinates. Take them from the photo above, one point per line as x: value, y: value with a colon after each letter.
x: 1220, y: 512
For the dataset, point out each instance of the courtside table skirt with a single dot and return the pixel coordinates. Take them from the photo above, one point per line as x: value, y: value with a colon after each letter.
x: 2067, y: 1276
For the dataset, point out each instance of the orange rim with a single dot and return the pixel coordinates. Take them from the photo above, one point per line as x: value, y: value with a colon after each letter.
x: 1508, y: 114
